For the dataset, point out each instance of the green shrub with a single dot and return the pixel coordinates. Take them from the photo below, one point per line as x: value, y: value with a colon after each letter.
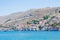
x: 40, y: 27
x: 28, y: 23
x: 54, y: 25
x: 45, y: 17
x: 35, y: 21
x: 52, y: 17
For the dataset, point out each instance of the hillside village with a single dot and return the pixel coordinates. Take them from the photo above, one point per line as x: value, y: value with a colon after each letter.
x: 45, y: 19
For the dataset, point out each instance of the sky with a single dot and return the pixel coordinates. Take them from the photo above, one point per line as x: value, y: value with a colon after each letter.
x: 12, y: 6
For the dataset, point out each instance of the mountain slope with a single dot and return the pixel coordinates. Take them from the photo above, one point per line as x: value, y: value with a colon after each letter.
x: 23, y: 17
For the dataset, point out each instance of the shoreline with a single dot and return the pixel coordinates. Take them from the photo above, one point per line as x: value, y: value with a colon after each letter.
x: 30, y: 31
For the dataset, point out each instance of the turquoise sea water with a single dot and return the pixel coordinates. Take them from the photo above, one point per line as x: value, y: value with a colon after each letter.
x: 30, y: 35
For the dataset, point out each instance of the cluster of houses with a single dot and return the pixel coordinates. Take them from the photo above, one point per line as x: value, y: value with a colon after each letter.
x: 49, y: 23
x: 46, y: 23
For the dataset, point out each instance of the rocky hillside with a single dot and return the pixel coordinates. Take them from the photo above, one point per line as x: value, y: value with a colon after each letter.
x: 20, y: 19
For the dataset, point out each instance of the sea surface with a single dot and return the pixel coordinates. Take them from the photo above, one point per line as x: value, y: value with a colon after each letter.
x: 30, y: 35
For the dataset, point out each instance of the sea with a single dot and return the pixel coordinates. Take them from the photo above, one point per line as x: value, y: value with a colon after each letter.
x: 30, y: 35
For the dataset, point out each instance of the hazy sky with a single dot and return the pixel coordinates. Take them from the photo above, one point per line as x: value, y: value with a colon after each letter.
x: 11, y: 6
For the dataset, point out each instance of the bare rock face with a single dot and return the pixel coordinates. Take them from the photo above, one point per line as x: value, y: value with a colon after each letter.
x: 21, y: 18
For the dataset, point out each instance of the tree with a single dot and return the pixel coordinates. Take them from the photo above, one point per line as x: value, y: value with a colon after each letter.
x: 54, y: 25
x: 35, y: 21
x: 28, y: 23
x: 45, y: 17
x: 40, y: 27
x: 13, y: 28
x: 52, y: 17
